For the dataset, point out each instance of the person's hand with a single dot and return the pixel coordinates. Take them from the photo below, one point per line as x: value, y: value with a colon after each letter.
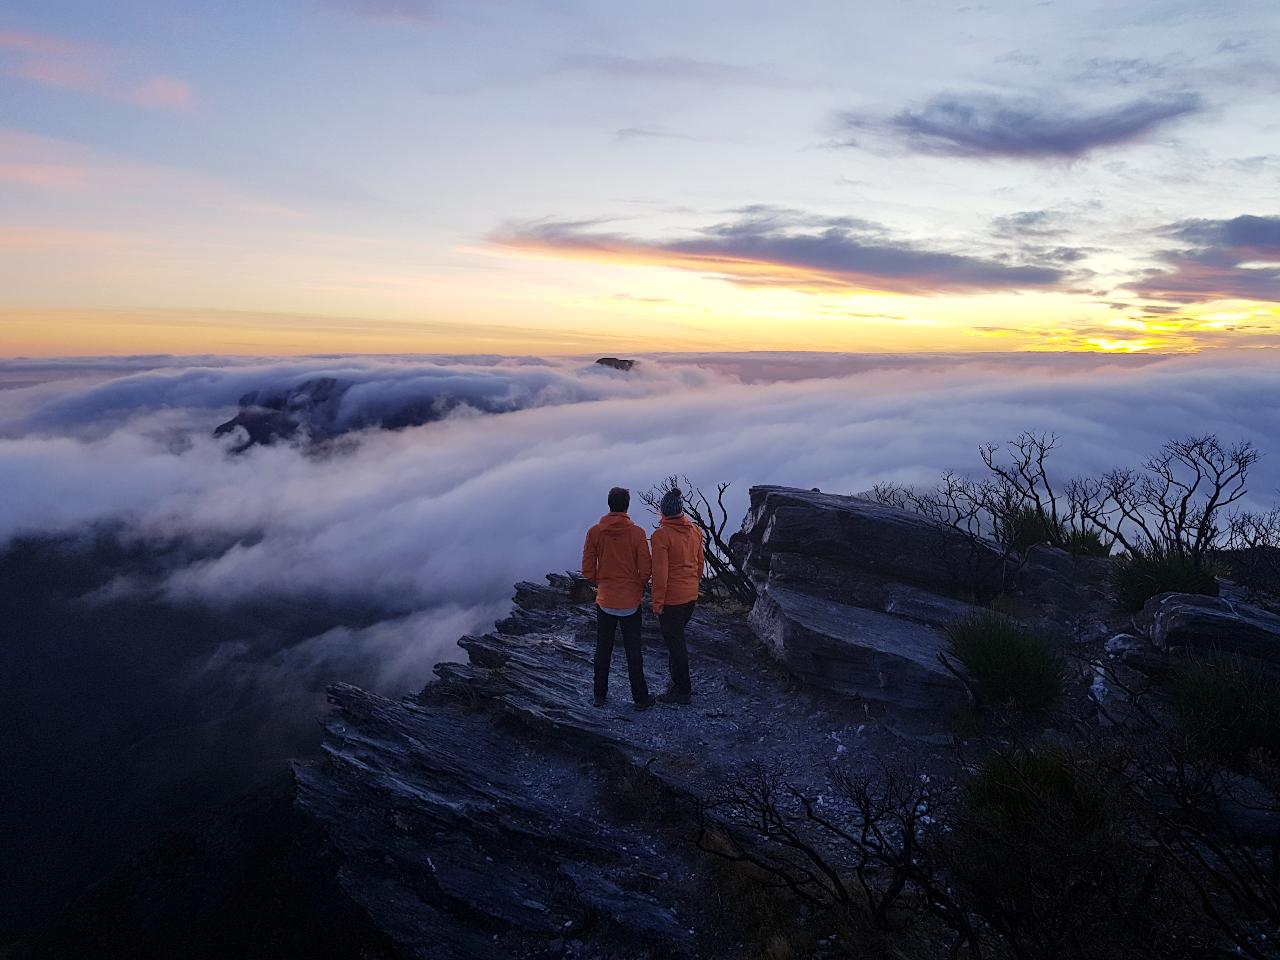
x: 656, y: 608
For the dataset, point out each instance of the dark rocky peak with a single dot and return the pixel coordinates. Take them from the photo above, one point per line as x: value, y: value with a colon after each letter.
x: 273, y: 414
x: 314, y: 410
x: 616, y: 363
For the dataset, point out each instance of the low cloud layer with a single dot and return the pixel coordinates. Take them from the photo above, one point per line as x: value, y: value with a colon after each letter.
x: 766, y: 246
x: 435, y: 523
x: 370, y: 391
x: 984, y: 125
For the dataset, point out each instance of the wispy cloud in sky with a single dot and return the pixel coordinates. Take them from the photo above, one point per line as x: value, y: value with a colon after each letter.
x: 1004, y: 168
x: 67, y: 64
x: 1236, y: 259
x: 410, y: 11
x: 26, y: 237
x: 985, y: 125
x: 803, y: 253
x: 35, y: 43
x: 52, y: 175
x: 671, y: 68
x: 162, y: 91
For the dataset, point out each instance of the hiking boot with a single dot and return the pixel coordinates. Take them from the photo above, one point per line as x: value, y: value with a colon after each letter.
x: 674, y: 696
x: 646, y: 703
x: 599, y: 701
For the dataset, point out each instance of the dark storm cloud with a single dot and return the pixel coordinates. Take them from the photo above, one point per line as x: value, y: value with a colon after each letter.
x: 1235, y: 259
x: 983, y: 125
x: 772, y: 246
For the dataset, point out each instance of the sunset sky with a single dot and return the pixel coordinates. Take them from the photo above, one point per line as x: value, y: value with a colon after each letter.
x: 562, y: 176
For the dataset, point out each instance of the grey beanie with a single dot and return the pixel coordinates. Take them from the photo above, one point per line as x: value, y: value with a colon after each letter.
x: 672, y: 504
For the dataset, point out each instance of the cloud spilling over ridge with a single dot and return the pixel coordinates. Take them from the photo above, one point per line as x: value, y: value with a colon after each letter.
x: 445, y: 517
x: 824, y: 254
x: 1236, y: 259
x: 370, y: 390
x: 984, y: 125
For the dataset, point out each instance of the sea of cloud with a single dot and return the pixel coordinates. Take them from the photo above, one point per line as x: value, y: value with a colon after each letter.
x: 435, y: 523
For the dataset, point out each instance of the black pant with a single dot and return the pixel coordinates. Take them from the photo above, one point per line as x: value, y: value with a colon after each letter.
x: 606, y: 630
x: 673, y: 620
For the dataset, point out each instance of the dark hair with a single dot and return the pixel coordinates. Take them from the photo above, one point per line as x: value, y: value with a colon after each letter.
x: 619, y: 499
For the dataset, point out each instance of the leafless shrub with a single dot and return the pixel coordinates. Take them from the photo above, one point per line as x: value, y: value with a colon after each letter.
x: 1119, y: 846
x: 1252, y: 548
x: 1174, y: 505
x: 872, y: 858
x: 711, y: 517
x: 1175, y: 501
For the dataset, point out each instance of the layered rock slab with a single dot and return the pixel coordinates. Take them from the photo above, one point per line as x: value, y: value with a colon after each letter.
x: 1203, y: 624
x: 853, y: 596
x: 842, y: 543
x: 877, y: 657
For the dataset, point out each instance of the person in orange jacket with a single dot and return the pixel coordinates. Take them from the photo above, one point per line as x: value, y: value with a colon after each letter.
x: 677, y: 577
x: 615, y: 558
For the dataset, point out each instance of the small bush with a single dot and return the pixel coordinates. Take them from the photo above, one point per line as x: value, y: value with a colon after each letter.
x: 641, y: 796
x: 1141, y: 574
x: 755, y: 909
x: 1229, y: 710
x: 1087, y: 543
x: 1038, y: 853
x: 1021, y: 788
x: 1010, y: 663
x: 1025, y: 527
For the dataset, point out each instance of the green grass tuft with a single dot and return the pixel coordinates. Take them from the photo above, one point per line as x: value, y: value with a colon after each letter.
x: 1228, y: 709
x: 1142, y: 574
x: 1024, y: 528
x: 1011, y: 664
x: 1087, y: 543
x: 1021, y: 788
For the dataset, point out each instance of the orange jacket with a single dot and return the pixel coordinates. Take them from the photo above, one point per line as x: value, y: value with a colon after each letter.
x: 616, y: 557
x: 677, y: 562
